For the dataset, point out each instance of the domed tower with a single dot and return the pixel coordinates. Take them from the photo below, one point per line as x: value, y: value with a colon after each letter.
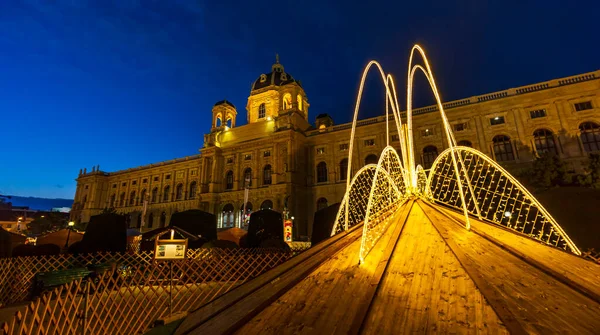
x: 274, y: 94
x: 223, y: 114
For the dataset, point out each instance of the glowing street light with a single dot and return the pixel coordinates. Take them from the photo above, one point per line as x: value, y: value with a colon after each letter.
x: 71, y: 224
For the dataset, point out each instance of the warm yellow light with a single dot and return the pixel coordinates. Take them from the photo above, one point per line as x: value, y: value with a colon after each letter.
x: 71, y: 223
x: 226, y: 128
x: 20, y: 218
x: 269, y: 118
x: 43, y: 216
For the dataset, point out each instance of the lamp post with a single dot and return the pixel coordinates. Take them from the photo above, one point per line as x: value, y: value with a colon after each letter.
x: 71, y: 224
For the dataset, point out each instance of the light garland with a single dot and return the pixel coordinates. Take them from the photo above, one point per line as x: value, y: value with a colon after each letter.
x: 460, y: 177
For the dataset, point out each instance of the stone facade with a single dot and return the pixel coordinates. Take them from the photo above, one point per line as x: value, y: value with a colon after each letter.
x: 287, y: 163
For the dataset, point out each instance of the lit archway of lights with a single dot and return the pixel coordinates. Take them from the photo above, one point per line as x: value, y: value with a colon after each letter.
x: 376, y: 191
x: 502, y: 199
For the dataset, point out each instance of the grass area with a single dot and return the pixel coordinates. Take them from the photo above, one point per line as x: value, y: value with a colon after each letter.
x: 577, y: 210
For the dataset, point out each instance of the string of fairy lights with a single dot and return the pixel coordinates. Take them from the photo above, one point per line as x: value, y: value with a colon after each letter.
x: 461, y: 177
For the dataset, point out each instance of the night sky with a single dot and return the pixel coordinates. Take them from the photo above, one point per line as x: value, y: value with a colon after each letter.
x: 85, y: 83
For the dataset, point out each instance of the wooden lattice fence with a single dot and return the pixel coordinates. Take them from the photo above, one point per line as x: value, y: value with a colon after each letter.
x: 130, y: 297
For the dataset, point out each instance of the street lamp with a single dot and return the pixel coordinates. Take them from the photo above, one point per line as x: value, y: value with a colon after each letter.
x: 71, y: 224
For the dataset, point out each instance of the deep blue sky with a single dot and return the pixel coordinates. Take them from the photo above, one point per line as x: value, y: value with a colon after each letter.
x: 131, y: 83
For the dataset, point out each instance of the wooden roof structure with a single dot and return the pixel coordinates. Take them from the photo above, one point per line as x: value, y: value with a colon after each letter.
x: 427, y: 274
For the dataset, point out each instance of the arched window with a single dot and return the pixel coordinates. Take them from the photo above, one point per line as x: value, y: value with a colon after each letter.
x: 179, y: 192
x: 143, y: 196
x: 218, y: 120
x: 229, y: 121
x: 287, y: 101
x: 163, y: 219
x: 228, y: 219
x: 247, y: 178
x: 154, y: 195
x: 267, y: 204
x: 229, y: 180
x: 344, y: 169
x: 430, y: 153
x: 267, y: 175
x: 503, y: 150
x: 113, y: 198
x: 262, y: 111
x: 166, y: 193
x: 544, y: 142
x: 122, y: 200
x: 299, y: 97
x: 132, y: 199
x: 322, y: 172
x: 193, y: 186
x: 371, y: 159
x: 150, y: 220
x: 590, y: 136
x: 321, y: 203
x: 465, y: 143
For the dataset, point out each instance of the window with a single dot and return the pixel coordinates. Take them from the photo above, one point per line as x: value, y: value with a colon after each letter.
x: 229, y: 180
x: 321, y: 203
x: 503, y: 149
x: 344, y: 169
x: 163, y: 219
x: 267, y: 153
x: 193, y: 172
x: 371, y: 159
x: 430, y: 153
x: 287, y: 101
x: 132, y: 199
x: 322, y: 172
x: 262, y: 111
x: 156, y: 178
x: 179, y: 192
x: 369, y: 142
x: 299, y: 97
x: 154, y: 195
x: 538, y: 113
x: 395, y: 138
x: 460, y: 127
x: 122, y: 200
x: 426, y: 132
x: 590, y: 136
x: 113, y: 198
x: 544, y: 142
x: 134, y: 182
x: 166, y: 193
x: 167, y: 177
x: 248, y: 177
x: 143, y: 196
x: 581, y: 106
x: 9, y: 225
x: 150, y: 220
x: 228, y: 217
x: 267, y: 175
x: 267, y: 204
x: 87, y: 186
x: 247, y: 157
x: 497, y: 120
x: 465, y: 143
x: 320, y: 151
x: 229, y: 160
x: 193, y: 188
x: 145, y: 180
x: 344, y: 147
x: 114, y: 185
x: 124, y: 184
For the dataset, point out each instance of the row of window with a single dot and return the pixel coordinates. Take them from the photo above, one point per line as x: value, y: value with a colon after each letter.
x: 154, y: 196
x: 228, y: 212
x: 323, y: 175
x: 543, y: 139
x: 156, y: 178
x: 247, y: 180
x: 287, y: 104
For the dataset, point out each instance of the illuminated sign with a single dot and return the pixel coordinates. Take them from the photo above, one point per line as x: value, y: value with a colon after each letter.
x: 287, y: 231
x: 170, y: 249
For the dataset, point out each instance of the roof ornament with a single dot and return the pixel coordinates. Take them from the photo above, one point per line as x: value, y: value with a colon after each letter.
x: 277, y: 67
x: 277, y: 58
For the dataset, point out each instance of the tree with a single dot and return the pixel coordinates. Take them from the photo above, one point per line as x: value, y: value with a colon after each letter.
x: 547, y: 171
x: 592, y: 172
x: 47, y: 222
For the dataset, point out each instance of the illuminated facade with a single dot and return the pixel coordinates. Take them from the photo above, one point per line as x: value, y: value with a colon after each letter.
x: 285, y: 161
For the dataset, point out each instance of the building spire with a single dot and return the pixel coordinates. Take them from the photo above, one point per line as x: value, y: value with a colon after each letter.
x: 277, y: 67
x: 277, y: 58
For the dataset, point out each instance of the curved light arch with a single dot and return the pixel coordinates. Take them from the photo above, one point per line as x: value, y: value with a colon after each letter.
x: 506, y: 202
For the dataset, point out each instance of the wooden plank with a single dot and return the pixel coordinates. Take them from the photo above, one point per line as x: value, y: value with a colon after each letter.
x: 538, y: 302
x: 376, y: 278
x: 229, y: 319
x: 493, y: 297
x: 212, y: 309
